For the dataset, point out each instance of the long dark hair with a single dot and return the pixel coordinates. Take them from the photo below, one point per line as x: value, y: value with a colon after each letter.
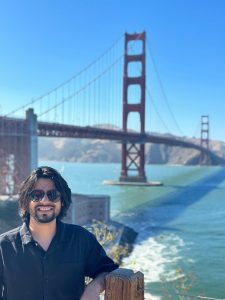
x: 28, y: 185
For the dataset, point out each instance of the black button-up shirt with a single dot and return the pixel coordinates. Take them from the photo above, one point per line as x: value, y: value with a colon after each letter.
x: 29, y: 272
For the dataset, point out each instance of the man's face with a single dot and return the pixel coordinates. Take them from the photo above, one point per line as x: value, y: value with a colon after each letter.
x: 45, y: 211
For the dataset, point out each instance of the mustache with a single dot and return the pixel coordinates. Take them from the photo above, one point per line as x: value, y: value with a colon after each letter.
x: 44, y: 205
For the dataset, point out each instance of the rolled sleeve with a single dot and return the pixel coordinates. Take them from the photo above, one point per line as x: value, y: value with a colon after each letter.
x: 98, y: 261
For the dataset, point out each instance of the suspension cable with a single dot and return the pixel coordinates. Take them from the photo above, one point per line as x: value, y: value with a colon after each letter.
x: 82, y: 88
x: 68, y: 80
x: 149, y: 94
x: 156, y: 109
x: 163, y: 90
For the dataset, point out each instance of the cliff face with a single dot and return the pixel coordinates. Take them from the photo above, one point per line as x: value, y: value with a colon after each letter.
x: 78, y: 150
x: 84, y: 150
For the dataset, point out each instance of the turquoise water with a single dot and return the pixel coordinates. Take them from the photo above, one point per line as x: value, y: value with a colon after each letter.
x: 181, y: 224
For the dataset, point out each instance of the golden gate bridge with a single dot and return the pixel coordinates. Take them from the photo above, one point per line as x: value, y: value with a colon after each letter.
x: 88, y: 105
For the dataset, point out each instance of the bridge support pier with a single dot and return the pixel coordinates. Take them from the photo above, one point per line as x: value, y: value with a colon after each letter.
x: 18, y: 151
x: 32, y: 128
x: 135, y: 155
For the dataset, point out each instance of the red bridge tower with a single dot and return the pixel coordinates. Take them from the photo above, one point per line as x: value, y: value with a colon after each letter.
x: 204, y: 159
x: 133, y: 154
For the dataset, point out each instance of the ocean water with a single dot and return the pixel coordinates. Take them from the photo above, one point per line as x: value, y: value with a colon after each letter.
x: 181, y: 224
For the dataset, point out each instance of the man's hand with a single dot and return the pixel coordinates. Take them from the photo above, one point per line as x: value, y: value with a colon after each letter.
x: 94, y: 288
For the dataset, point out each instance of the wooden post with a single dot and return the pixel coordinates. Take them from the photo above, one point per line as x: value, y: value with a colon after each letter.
x: 124, y: 284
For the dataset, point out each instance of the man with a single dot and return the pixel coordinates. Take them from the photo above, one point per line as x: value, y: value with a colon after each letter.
x: 46, y: 259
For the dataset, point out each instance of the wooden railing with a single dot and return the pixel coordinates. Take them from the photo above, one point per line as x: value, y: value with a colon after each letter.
x: 124, y: 284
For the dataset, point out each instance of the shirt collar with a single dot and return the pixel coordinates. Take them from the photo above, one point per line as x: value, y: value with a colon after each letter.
x: 25, y: 234
x: 61, y: 235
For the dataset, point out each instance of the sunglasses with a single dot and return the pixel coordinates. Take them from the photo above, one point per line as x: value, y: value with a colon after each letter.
x: 38, y: 195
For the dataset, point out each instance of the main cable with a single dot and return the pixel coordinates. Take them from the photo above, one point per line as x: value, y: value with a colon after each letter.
x: 67, y: 81
x: 163, y: 90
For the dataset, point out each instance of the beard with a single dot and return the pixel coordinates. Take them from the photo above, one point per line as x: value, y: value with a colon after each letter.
x: 44, y: 217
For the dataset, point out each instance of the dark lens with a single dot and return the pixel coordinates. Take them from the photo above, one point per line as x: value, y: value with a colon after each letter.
x: 52, y: 195
x: 37, y: 195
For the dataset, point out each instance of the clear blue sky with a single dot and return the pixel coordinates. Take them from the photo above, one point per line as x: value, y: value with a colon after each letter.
x: 45, y: 42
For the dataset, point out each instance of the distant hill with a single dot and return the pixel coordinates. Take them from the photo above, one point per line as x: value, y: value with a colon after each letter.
x: 87, y: 150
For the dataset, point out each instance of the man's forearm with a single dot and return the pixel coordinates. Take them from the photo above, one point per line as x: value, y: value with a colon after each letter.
x: 99, y: 282
x: 94, y: 288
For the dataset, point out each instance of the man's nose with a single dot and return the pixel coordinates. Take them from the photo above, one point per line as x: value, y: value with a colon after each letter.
x: 45, y: 198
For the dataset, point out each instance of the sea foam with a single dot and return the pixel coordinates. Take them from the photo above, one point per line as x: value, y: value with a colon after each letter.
x: 157, y: 257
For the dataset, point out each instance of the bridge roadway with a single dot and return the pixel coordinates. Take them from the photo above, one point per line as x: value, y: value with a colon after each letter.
x: 60, y: 130
x: 15, y: 127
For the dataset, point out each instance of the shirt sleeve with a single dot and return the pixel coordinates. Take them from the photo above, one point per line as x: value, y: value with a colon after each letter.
x: 97, y: 260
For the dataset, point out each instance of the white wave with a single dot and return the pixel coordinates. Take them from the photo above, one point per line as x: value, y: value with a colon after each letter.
x: 151, y: 297
x: 157, y: 257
